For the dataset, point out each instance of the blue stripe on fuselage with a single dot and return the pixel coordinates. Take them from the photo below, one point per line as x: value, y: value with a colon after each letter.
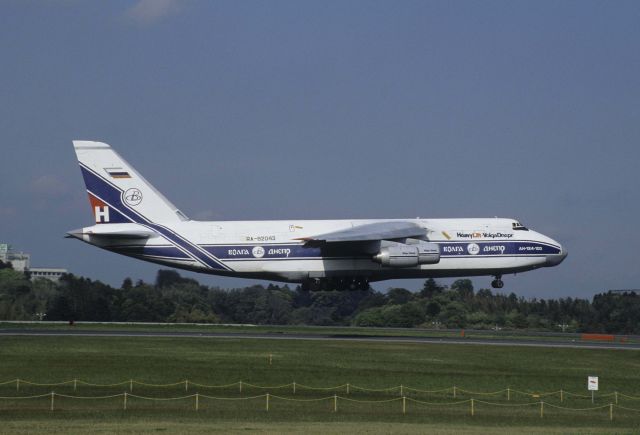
x: 265, y: 252
x: 301, y: 252
x: 510, y: 248
x: 447, y: 250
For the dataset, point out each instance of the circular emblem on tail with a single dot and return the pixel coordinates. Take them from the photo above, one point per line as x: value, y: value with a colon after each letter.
x: 133, y: 197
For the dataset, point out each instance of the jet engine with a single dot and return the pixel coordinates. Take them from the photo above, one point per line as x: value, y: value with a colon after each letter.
x: 408, y: 255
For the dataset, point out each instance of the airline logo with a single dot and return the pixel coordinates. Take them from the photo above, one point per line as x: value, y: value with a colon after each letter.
x: 473, y: 248
x: 475, y: 235
x: 257, y: 251
x: 483, y: 235
x: 133, y: 197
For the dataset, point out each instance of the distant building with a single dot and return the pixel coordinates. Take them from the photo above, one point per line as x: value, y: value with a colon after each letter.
x: 21, y: 262
x: 52, y: 274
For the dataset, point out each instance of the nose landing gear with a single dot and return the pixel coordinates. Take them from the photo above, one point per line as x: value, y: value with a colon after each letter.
x: 497, y: 283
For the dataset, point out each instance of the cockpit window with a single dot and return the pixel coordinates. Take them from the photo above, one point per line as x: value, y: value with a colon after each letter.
x: 517, y: 226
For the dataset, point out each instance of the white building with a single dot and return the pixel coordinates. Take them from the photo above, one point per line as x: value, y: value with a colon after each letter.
x: 21, y: 262
x: 52, y: 274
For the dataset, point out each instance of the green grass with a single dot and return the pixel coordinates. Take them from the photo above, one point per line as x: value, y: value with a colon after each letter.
x: 212, y: 361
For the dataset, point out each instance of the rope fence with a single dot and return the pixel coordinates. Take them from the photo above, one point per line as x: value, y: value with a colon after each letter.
x: 241, y: 387
x: 333, y: 400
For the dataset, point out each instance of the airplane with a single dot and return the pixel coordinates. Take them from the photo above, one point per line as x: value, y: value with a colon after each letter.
x: 132, y: 218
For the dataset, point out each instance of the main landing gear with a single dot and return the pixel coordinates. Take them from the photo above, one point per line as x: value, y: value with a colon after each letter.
x: 497, y: 283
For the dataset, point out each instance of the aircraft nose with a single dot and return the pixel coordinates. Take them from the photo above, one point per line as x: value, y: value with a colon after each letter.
x: 555, y: 259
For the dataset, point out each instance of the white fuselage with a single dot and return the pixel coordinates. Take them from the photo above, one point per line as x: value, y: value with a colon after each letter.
x: 276, y: 249
x: 135, y: 219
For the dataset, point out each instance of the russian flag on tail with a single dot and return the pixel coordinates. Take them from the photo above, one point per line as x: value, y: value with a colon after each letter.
x: 117, y: 173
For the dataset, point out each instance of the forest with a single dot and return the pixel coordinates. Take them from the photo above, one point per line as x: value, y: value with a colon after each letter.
x: 173, y: 298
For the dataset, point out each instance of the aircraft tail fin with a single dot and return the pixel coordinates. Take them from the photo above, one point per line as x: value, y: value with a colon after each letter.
x: 117, y: 192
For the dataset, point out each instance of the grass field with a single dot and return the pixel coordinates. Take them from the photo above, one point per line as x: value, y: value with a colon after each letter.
x: 107, y: 360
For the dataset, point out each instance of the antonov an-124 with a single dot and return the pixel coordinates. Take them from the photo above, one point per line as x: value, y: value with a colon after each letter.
x: 132, y: 218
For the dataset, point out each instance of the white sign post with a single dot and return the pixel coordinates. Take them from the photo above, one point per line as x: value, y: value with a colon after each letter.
x: 592, y: 385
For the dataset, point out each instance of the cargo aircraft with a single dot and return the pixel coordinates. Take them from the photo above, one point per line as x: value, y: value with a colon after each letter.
x: 132, y: 218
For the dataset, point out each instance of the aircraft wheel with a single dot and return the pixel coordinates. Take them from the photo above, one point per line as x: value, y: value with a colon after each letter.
x: 497, y: 283
x: 313, y: 285
x: 363, y: 285
x: 339, y: 284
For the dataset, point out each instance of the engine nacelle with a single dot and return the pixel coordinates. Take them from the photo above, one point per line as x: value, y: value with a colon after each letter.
x: 402, y: 255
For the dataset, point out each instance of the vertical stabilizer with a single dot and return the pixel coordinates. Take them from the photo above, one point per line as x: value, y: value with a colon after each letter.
x: 117, y: 192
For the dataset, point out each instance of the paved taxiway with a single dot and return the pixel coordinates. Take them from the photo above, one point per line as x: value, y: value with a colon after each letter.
x: 529, y: 342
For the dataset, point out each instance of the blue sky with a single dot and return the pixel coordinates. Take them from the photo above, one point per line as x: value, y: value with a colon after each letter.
x: 335, y: 109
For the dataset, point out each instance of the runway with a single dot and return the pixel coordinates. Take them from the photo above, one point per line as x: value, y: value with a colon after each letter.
x: 525, y: 342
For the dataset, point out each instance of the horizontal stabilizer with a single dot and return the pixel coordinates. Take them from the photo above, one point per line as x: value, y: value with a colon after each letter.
x: 389, y: 230
x: 114, y: 231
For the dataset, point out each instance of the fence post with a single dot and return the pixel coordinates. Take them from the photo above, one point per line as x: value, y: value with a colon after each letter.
x: 52, y: 394
x: 75, y: 384
x: 347, y: 388
x: 186, y: 385
x: 267, y: 401
x: 508, y: 394
x: 294, y: 387
x: 454, y: 391
x: 197, y: 401
x: 240, y: 387
x: 124, y: 403
x: 401, y: 390
x: 561, y: 395
x: 611, y: 412
x: 616, y: 394
x: 541, y: 409
x: 18, y: 384
x: 404, y: 405
x: 130, y: 384
x: 335, y: 403
x: 472, y: 409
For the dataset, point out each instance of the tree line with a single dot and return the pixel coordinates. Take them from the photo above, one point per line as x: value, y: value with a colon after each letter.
x: 173, y: 298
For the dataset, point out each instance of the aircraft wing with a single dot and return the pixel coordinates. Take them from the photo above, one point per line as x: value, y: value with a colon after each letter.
x: 388, y: 230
